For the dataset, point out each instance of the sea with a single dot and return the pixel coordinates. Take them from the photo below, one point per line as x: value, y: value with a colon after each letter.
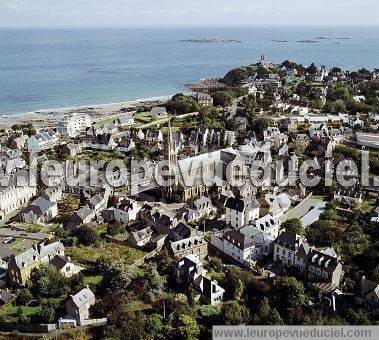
x: 57, y: 68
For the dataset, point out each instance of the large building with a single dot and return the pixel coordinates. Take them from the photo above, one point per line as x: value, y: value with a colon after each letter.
x: 75, y: 124
x: 21, y: 266
x: 15, y: 192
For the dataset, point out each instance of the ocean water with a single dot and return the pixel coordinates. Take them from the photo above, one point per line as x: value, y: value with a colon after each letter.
x: 54, y: 68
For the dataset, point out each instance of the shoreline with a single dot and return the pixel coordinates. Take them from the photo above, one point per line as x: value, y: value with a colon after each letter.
x: 46, y: 117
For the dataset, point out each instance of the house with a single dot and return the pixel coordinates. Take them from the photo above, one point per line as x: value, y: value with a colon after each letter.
x: 291, y: 250
x: 64, y: 266
x: 73, y: 125
x: 124, y: 211
x: 15, y: 192
x: 323, y: 266
x: 158, y: 112
x: 39, y: 211
x: 71, y: 149
x: 78, y: 306
x: 192, y: 245
x: 124, y: 120
x: 204, y: 99
x: 239, y: 212
x: 53, y: 194
x: 267, y: 223
x: 200, y: 208
x: 83, y: 216
x: 103, y: 141
x: 190, y: 270
x: 21, y: 266
x: 245, y: 245
x: 142, y: 237
x: 155, y: 136
x: 210, y: 292
x: 44, y: 140
x: 349, y: 194
x: 18, y: 143
x: 368, y: 295
x: 270, y: 133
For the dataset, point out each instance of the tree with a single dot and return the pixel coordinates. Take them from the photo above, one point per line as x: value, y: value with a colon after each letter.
x: 115, y: 228
x: 87, y: 235
x: 264, y: 310
x: 275, y: 318
x: 24, y: 297
x: 48, y: 282
x: 67, y: 206
x: 188, y: 327
x: 232, y: 313
x: 154, y: 325
x: 294, y: 225
x: 288, y: 292
x: 312, y: 69
x: 323, y: 233
x: 181, y: 104
x: 48, y: 310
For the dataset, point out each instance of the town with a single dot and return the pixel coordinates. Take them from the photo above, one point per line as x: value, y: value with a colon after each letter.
x: 126, y: 257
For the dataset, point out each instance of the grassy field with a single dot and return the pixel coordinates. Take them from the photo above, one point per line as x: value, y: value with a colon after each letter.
x: 143, y: 117
x: 92, y: 280
x: 112, y: 250
x: 12, y: 310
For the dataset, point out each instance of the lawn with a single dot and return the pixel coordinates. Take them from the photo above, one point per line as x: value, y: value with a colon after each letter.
x: 83, y: 254
x: 143, y: 117
x: 92, y: 280
x: 12, y: 310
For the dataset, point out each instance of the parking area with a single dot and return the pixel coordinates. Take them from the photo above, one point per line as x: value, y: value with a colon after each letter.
x: 15, y: 246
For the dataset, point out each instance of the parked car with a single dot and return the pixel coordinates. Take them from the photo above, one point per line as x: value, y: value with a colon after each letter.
x: 8, y: 240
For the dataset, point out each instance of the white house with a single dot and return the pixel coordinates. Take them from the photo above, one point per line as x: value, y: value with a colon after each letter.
x: 15, y: 192
x: 200, y: 208
x: 291, y: 250
x: 268, y: 223
x: 245, y: 245
x: 125, y: 211
x: 239, y: 212
x: 71, y: 126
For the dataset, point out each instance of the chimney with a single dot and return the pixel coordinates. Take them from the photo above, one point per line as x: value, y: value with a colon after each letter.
x: 320, y: 260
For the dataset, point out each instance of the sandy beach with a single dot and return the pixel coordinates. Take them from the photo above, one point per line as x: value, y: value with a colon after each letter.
x: 49, y: 117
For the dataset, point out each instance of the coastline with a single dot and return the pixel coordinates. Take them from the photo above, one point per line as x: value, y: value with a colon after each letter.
x: 46, y: 117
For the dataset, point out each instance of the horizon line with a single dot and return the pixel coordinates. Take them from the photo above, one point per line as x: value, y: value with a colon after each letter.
x: 368, y: 25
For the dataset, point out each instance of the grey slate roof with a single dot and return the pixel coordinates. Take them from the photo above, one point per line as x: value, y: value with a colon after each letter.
x: 82, y: 297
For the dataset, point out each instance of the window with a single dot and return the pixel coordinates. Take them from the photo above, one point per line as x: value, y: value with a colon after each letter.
x: 325, y: 274
x: 318, y: 271
x: 311, y: 269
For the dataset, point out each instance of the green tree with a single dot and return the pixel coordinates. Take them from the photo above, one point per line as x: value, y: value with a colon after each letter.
x: 66, y: 207
x: 275, y: 318
x: 232, y: 313
x: 86, y: 235
x: 116, y: 228
x: 188, y: 327
x: 48, y: 310
x: 48, y: 282
x: 294, y: 225
x: 289, y: 292
x: 24, y: 297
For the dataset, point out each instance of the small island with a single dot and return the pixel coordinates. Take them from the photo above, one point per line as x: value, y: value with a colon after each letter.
x: 210, y: 41
x: 307, y: 41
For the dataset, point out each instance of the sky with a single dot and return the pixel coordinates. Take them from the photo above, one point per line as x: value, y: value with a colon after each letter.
x: 156, y: 13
